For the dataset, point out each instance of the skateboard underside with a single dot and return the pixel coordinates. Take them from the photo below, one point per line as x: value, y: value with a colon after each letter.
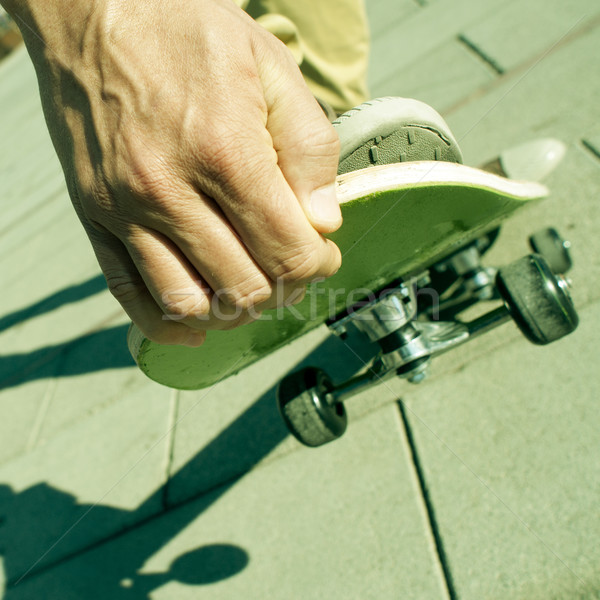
x: 398, y: 221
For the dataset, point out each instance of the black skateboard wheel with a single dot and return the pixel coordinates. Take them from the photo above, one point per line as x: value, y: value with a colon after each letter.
x: 550, y: 244
x: 538, y: 302
x: 303, y: 404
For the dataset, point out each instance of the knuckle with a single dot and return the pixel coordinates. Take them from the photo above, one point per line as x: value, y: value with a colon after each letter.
x: 124, y: 289
x: 234, y: 321
x: 143, y: 180
x: 150, y: 186
x: 146, y: 179
x: 244, y: 300
x: 298, y: 266
x: 226, y: 157
x: 323, y: 142
x: 185, y: 305
x: 220, y: 159
x: 139, y: 170
x: 247, y: 293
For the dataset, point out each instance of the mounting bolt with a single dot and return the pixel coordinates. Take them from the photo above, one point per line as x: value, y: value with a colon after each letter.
x: 415, y: 372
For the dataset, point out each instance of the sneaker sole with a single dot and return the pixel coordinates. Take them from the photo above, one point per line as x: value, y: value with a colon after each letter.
x: 391, y: 130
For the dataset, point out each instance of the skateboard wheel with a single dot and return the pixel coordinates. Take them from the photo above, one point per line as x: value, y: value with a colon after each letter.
x: 538, y: 301
x: 304, y: 406
x: 549, y: 243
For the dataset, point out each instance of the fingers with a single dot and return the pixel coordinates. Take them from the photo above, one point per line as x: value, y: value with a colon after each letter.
x: 162, y: 294
x: 306, y: 144
x: 242, y: 172
x: 201, y: 232
x: 127, y: 286
x: 176, y: 287
x: 270, y: 225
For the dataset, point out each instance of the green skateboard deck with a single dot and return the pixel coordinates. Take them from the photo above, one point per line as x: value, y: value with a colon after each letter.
x: 399, y: 219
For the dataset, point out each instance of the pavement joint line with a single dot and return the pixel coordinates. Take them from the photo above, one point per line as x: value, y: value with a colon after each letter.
x: 127, y: 529
x: 475, y: 49
x: 591, y: 148
x: 428, y: 504
x: 424, y: 21
x: 41, y: 414
x: 175, y: 397
x: 528, y: 70
x: 127, y: 472
x: 220, y: 485
x: 483, y: 483
x: 528, y: 65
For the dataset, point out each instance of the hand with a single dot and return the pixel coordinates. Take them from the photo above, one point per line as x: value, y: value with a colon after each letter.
x: 197, y: 160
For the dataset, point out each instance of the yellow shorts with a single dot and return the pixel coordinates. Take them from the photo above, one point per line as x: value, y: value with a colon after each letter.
x: 329, y: 40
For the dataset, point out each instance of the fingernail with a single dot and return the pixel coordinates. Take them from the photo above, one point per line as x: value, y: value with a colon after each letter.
x: 324, y: 205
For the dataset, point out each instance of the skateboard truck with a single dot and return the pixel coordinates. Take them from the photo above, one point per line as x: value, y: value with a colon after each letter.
x: 534, y: 296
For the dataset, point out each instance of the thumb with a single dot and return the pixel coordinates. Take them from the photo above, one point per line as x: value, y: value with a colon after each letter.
x: 306, y: 143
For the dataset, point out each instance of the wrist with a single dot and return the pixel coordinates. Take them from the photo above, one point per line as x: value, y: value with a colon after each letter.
x: 50, y: 26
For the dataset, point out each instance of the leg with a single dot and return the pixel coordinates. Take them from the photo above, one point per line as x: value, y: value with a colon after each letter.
x: 330, y: 41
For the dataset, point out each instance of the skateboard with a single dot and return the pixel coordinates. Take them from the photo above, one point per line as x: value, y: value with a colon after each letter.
x: 412, y: 237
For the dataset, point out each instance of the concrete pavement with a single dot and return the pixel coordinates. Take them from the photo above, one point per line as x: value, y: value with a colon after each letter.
x: 482, y: 483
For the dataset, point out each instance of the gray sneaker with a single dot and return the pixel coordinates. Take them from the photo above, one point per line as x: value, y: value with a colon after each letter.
x: 392, y: 130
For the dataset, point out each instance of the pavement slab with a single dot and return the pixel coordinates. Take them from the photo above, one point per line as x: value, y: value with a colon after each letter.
x: 527, y: 105
x: 553, y: 95
x: 385, y: 16
x: 19, y: 412
x: 418, y: 34
x: 484, y: 485
x: 520, y: 31
x: 343, y: 521
x: 441, y: 78
x: 509, y: 452
x: 236, y: 424
x: 91, y: 480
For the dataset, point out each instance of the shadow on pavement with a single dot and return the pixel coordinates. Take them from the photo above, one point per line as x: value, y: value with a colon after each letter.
x: 68, y: 295
x: 105, y: 349
x: 43, y: 527
x: 42, y: 512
